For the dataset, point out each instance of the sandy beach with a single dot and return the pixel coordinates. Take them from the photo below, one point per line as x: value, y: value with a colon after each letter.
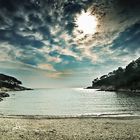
x: 25, y: 128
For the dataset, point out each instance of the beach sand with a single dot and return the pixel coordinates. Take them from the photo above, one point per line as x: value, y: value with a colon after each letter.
x: 17, y: 128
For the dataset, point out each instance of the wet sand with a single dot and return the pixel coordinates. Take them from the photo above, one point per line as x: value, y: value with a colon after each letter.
x: 34, y: 128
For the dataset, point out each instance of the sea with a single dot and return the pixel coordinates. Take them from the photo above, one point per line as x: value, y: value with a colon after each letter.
x: 70, y: 102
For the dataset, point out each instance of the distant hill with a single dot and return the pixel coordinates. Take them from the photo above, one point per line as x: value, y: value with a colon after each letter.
x: 8, y: 83
x: 127, y: 79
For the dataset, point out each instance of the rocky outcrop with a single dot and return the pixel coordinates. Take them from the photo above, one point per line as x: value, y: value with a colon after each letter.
x: 111, y: 89
x: 3, y: 95
x: 9, y: 83
x: 127, y: 79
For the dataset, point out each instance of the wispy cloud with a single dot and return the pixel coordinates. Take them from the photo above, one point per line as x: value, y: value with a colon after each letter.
x: 46, y: 67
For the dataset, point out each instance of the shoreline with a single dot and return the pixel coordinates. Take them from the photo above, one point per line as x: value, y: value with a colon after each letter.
x: 110, y: 89
x: 43, y: 117
x: 4, y: 93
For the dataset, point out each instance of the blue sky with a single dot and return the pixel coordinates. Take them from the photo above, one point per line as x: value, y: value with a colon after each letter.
x: 40, y: 44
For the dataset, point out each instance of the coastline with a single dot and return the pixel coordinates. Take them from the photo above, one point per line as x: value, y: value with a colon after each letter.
x: 100, y: 128
x: 4, y: 94
x: 80, y: 127
x: 112, y: 89
x: 100, y: 116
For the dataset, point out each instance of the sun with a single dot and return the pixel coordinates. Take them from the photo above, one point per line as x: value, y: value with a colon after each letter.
x: 86, y: 23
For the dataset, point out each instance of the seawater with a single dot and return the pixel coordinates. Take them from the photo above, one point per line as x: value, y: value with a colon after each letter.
x: 70, y: 102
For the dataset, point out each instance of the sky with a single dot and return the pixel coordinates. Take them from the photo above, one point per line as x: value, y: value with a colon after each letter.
x: 42, y: 44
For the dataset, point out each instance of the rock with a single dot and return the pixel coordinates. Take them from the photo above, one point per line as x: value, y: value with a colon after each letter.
x: 3, y: 95
x: 89, y: 88
x: 9, y: 83
x: 1, y: 99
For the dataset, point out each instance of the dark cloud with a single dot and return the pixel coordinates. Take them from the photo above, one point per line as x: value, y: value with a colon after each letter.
x: 19, y: 40
x: 129, y: 39
x: 34, y: 19
x: 32, y: 25
x: 72, y: 8
x: 8, y: 5
x: 31, y: 57
x: 129, y: 4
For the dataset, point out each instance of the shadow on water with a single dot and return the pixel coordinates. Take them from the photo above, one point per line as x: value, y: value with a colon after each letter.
x: 129, y: 101
x: 128, y: 94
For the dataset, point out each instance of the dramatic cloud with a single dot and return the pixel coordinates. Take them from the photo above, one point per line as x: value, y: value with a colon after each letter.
x: 44, y: 34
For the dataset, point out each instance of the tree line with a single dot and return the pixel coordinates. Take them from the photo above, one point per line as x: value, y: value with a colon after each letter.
x: 126, y: 78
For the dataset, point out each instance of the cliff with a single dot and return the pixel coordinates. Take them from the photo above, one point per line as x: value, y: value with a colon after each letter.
x: 9, y: 83
x: 127, y: 79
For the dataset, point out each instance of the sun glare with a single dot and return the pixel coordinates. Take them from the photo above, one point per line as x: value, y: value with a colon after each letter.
x: 86, y: 23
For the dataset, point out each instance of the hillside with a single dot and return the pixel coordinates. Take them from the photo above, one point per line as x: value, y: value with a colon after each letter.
x: 127, y: 79
x: 8, y: 83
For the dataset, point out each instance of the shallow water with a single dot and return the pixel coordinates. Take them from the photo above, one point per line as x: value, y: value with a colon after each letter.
x: 68, y: 101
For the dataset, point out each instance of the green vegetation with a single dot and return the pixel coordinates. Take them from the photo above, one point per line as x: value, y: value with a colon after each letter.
x: 127, y: 78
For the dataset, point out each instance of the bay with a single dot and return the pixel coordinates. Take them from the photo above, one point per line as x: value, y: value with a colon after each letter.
x: 70, y: 102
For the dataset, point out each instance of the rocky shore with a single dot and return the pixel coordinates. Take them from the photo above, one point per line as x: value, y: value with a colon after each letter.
x: 9, y: 83
x: 3, y: 95
x: 121, y: 80
x: 113, y: 89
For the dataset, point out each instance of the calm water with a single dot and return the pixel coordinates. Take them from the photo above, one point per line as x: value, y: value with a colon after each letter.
x: 69, y: 102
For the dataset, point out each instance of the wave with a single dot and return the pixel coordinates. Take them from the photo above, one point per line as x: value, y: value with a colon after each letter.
x: 102, y: 115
